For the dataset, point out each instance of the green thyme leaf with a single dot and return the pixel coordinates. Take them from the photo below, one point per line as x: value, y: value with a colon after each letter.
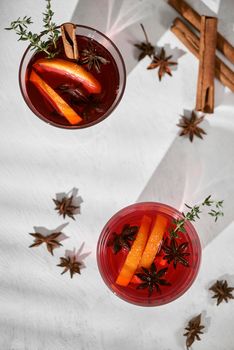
x: 21, y: 28
x: 193, y: 214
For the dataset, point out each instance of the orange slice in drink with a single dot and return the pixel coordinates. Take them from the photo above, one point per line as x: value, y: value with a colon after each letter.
x: 55, y: 100
x: 69, y: 69
x: 154, y: 241
x: 134, y: 256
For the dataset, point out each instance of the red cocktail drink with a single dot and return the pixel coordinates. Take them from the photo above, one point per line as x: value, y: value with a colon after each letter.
x: 174, y: 266
x: 74, y: 94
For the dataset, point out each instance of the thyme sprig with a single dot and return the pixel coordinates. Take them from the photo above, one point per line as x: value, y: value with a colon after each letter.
x: 49, y: 25
x: 216, y: 210
x: 20, y: 26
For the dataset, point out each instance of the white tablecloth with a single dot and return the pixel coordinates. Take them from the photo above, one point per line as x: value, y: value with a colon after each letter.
x: 134, y: 155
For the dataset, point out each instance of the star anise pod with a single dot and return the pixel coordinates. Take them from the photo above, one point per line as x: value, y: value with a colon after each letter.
x: 124, y: 239
x: 152, y: 279
x: 92, y: 107
x: 175, y: 252
x: 163, y: 63
x: 194, y: 328
x: 74, y: 91
x: 90, y: 57
x: 190, y: 126
x: 222, y: 291
x: 65, y: 207
x: 146, y: 48
x: 71, y: 264
x: 50, y: 241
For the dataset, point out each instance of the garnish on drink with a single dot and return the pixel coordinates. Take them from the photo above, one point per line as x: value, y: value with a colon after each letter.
x: 154, y: 241
x: 54, y: 99
x: 142, y: 254
x: 124, y: 239
x: 92, y: 59
x: 133, y: 258
x: 151, y: 279
x: 71, y: 70
x: 48, y: 47
x: 157, y: 263
x: 215, y: 210
x: 175, y: 252
x: 60, y: 56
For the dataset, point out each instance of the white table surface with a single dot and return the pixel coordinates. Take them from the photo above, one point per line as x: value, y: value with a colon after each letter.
x: 134, y: 155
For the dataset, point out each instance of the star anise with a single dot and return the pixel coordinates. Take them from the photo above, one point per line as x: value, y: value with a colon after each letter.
x: 71, y: 264
x: 124, y: 239
x: 190, y: 126
x: 194, y: 328
x: 163, y: 63
x: 50, y: 241
x: 152, y: 279
x: 222, y: 291
x: 175, y: 252
x: 146, y: 48
x: 92, y: 107
x: 73, y: 91
x: 90, y: 57
x: 65, y: 207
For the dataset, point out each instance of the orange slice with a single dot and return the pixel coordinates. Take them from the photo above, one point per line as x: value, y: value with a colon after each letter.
x: 55, y: 100
x: 135, y: 280
x: 134, y: 256
x: 70, y: 69
x: 154, y: 241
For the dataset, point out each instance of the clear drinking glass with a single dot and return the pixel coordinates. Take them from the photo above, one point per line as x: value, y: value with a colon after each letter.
x: 180, y: 278
x: 112, y: 77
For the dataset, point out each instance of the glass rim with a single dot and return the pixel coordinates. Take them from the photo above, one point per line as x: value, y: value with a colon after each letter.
x: 100, y: 119
x: 103, y: 270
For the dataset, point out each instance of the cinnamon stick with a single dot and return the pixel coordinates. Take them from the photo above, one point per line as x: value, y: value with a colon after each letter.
x: 188, y: 13
x: 205, y: 83
x: 222, y: 72
x: 68, y: 31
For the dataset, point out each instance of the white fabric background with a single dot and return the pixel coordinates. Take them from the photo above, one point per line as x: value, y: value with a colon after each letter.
x: 134, y: 155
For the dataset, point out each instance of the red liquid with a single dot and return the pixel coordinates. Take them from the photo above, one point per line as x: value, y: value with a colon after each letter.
x: 110, y: 264
x: 97, y: 104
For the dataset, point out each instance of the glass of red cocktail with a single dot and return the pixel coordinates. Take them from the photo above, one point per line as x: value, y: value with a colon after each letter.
x: 74, y: 94
x: 164, y: 266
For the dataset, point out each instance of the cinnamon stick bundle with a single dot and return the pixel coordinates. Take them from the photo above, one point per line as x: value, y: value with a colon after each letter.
x: 192, y: 42
x: 205, y: 84
x: 188, y: 13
